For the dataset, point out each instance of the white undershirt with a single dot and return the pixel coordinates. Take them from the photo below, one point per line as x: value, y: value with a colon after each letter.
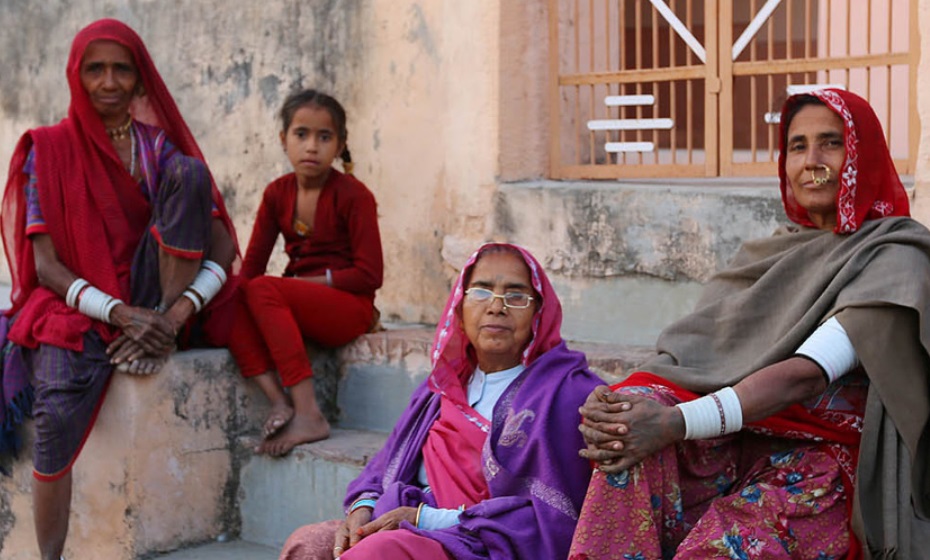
x: 484, y: 390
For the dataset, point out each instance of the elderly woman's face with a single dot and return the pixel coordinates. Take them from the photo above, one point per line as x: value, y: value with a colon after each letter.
x: 814, y: 144
x: 110, y: 77
x: 498, y: 333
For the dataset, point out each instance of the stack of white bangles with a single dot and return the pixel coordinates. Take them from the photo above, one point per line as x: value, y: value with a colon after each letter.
x: 712, y: 415
x: 90, y: 301
x: 208, y: 282
x: 98, y: 305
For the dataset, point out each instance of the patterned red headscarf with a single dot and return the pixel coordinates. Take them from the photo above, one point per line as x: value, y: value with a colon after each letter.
x: 93, y: 206
x: 869, y: 184
x: 452, y: 357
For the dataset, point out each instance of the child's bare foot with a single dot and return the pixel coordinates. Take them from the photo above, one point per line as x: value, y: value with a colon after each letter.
x: 301, y: 429
x: 279, y: 416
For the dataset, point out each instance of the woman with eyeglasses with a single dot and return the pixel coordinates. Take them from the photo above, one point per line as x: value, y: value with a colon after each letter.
x: 484, y: 461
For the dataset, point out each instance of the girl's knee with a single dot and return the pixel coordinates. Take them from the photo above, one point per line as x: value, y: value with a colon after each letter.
x: 261, y: 289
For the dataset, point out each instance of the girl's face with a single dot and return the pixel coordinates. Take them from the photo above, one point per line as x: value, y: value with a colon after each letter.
x: 311, y: 143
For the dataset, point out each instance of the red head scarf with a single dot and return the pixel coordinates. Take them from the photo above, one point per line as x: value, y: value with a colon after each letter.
x: 453, y: 358
x: 869, y: 184
x: 93, y: 207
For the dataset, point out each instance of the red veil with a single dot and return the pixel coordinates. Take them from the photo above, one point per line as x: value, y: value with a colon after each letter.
x: 869, y: 184
x: 95, y: 210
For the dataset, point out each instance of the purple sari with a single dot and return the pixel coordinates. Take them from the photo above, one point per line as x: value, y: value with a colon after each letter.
x: 536, y: 479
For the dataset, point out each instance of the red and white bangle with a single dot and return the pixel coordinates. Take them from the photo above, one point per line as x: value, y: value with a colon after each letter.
x: 208, y: 282
x: 74, y: 290
x: 712, y: 415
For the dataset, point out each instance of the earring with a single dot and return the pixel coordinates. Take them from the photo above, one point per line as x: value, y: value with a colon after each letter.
x: 827, y: 174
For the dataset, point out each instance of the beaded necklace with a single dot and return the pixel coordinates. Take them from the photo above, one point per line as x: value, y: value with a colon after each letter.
x: 121, y: 131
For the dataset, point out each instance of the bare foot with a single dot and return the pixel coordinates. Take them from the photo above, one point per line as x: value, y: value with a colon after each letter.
x: 301, y: 429
x: 279, y: 416
x: 146, y: 365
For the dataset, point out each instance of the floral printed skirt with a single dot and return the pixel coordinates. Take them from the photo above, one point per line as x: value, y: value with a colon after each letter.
x: 742, y: 496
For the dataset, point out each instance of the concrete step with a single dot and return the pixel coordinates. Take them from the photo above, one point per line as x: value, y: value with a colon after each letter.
x: 169, y: 462
x: 377, y: 374
x: 159, y: 470
x: 234, y: 550
x: 277, y: 496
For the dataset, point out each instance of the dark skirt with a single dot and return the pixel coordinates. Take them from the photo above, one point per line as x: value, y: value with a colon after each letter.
x: 62, y: 389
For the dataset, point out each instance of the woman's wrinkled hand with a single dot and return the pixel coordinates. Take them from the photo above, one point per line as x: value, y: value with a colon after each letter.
x: 347, y: 535
x: 149, y: 329
x: 622, y: 430
x: 601, y: 425
x: 389, y: 521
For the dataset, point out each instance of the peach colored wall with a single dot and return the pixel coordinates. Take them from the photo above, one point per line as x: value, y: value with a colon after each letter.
x: 420, y: 80
x: 921, y: 206
x: 446, y: 99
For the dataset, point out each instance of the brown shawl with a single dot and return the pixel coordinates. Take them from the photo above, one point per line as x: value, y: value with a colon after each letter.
x: 775, y: 293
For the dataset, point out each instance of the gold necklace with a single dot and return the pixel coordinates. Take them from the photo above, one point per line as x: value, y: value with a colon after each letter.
x: 121, y: 131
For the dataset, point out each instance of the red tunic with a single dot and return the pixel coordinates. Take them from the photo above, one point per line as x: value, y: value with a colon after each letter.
x: 345, y: 236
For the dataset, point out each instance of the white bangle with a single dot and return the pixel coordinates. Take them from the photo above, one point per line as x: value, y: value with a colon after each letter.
x: 96, y: 304
x: 73, y: 290
x: 831, y: 348
x: 195, y: 299
x: 208, y: 282
x: 712, y: 415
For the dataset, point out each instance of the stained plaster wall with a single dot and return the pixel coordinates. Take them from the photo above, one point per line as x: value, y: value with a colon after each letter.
x: 921, y: 208
x: 447, y: 104
x: 418, y: 79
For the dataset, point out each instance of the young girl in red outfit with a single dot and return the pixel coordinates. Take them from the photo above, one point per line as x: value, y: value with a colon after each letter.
x: 330, y: 227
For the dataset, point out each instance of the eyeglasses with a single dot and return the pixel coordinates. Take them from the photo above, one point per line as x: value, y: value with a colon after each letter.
x: 512, y: 300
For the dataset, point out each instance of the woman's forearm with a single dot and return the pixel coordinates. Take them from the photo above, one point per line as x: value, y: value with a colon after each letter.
x: 778, y: 386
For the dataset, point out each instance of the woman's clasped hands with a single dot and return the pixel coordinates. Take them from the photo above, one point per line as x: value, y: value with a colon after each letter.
x: 621, y: 430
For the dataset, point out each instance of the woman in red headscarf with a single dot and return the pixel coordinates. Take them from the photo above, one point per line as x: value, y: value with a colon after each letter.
x: 786, y: 416
x: 116, y: 237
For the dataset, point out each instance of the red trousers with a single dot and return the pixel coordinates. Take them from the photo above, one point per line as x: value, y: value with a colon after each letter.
x: 277, y: 314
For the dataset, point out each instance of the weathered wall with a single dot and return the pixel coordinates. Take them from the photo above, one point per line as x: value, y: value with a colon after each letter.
x: 921, y: 207
x: 628, y: 260
x: 419, y: 80
x: 447, y: 101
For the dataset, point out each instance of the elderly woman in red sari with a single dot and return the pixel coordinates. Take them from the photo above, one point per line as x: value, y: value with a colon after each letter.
x: 116, y: 237
x: 483, y: 462
x: 787, y: 416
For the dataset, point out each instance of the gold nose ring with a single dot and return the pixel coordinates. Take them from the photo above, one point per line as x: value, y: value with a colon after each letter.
x: 827, y: 174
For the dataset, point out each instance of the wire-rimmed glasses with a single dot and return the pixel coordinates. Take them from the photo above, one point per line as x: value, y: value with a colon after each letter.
x: 511, y: 300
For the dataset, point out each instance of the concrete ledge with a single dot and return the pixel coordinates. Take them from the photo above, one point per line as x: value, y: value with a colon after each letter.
x: 169, y: 463
x: 308, y: 486
x: 157, y: 471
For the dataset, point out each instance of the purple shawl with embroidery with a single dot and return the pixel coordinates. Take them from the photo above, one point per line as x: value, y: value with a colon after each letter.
x: 536, y: 479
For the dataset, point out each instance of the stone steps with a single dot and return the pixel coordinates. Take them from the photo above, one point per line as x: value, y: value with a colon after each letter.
x: 277, y: 496
x: 378, y: 373
x: 170, y: 466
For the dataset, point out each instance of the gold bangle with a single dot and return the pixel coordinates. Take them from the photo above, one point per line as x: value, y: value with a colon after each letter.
x: 416, y: 521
